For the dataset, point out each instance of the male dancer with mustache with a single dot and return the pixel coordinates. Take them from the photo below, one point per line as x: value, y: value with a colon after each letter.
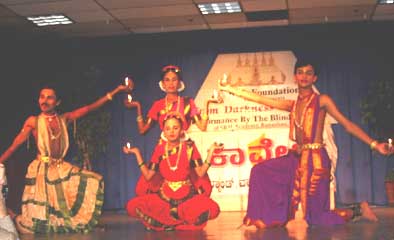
x: 58, y: 196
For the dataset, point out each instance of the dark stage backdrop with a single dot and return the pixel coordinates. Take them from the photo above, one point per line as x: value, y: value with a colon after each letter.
x: 349, y: 57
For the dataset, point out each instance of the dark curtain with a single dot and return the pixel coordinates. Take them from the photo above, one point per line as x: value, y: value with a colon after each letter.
x: 348, y: 58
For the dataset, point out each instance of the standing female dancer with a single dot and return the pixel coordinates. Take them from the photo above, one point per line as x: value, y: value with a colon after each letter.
x: 171, y: 83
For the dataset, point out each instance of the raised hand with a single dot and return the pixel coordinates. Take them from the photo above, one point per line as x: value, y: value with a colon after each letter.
x: 131, y: 150
x: 216, y: 97
x: 215, y: 147
x: 384, y: 148
x: 225, y: 86
x: 129, y: 83
x: 124, y: 88
x: 131, y: 104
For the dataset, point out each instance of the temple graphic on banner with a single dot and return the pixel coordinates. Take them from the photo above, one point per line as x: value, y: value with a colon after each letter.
x: 261, y: 70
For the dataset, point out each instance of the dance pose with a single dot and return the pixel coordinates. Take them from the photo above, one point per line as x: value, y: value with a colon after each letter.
x: 177, y: 189
x: 171, y: 83
x: 58, y: 196
x: 299, y: 181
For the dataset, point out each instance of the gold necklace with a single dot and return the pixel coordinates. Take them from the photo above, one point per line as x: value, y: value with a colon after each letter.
x: 168, y: 107
x: 301, y: 123
x: 300, y: 97
x: 173, y: 168
x: 50, y: 117
x: 53, y: 136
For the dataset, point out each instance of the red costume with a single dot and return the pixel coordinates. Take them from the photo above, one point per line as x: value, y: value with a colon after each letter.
x: 175, y: 198
x: 183, y: 105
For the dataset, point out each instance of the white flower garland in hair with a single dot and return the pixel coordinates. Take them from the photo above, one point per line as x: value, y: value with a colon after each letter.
x: 183, y: 138
x: 180, y: 88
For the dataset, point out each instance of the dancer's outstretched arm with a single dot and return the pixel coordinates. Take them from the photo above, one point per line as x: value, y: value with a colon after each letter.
x: 146, y: 172
x: 22, y: 136
x: 80, y: 112
x: 281, y: 104
x: 330, y: 106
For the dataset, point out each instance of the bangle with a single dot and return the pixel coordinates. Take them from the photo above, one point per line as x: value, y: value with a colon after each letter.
x: 141, y: 164
x: 373, y: 144
x: 208, y: 163
x: 204, y: 116
x: 139, y: 118
x: 109, y: 96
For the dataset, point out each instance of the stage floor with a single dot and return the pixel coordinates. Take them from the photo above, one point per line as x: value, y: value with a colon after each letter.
x: 118, y: 226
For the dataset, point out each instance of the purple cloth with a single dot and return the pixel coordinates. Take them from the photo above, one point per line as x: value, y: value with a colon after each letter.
x: 271, y: 187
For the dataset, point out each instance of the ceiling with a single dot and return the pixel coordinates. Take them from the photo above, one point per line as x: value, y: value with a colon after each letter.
x: 121, y: 17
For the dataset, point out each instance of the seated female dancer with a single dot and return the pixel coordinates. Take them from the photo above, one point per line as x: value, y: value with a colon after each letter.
x: 176, y: 195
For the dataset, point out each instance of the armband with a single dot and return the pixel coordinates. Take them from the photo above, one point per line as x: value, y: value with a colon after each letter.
x: 373, y: 144
x: 207, y: 162
x: 204, y: 116
x: 109, y: 96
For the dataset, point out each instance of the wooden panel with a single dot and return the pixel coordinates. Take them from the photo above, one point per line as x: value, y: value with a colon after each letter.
x: 55, y: 7
x: 267, y: 5
x: 162, y: 11
x: 327, y: 3
x: 122, y: 4
x: 249, y: 24
x: 164, y: 21
x: 361, y: 12
x: 225, y: 18
x: 90, y: 16
x: 170, y: 29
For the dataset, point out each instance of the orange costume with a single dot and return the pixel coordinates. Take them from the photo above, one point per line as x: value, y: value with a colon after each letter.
x: 175, y: 198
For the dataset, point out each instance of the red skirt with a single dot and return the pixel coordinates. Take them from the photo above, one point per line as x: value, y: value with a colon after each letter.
x: 166, y: 208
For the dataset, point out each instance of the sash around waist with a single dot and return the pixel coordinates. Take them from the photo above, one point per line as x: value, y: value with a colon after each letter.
x: 312, y: 146
x: 48, y: 159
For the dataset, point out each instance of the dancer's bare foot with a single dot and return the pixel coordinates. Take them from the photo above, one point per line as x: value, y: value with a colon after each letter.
x: 249, y: 223
x: 246, y: 227
x: 259, y: 224
x: 20, y: 228
x: 297, y: 229
x: 296, y: 224
x: 367, y: 213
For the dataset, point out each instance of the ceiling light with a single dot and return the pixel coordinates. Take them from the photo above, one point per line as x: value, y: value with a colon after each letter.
x: 219, y: 8
x: 50, y: 20
x: 386, y: 1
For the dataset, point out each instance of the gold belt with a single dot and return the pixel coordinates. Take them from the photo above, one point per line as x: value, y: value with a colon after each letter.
x: 176, y: 185
x: 47, y: 159
x: 312, y: 146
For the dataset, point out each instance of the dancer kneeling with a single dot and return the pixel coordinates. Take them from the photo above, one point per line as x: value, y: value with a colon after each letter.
x: 173, y: 191
x: 296, y: 186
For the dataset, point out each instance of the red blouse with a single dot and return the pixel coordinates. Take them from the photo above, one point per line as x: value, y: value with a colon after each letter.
x: 187, y: 107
